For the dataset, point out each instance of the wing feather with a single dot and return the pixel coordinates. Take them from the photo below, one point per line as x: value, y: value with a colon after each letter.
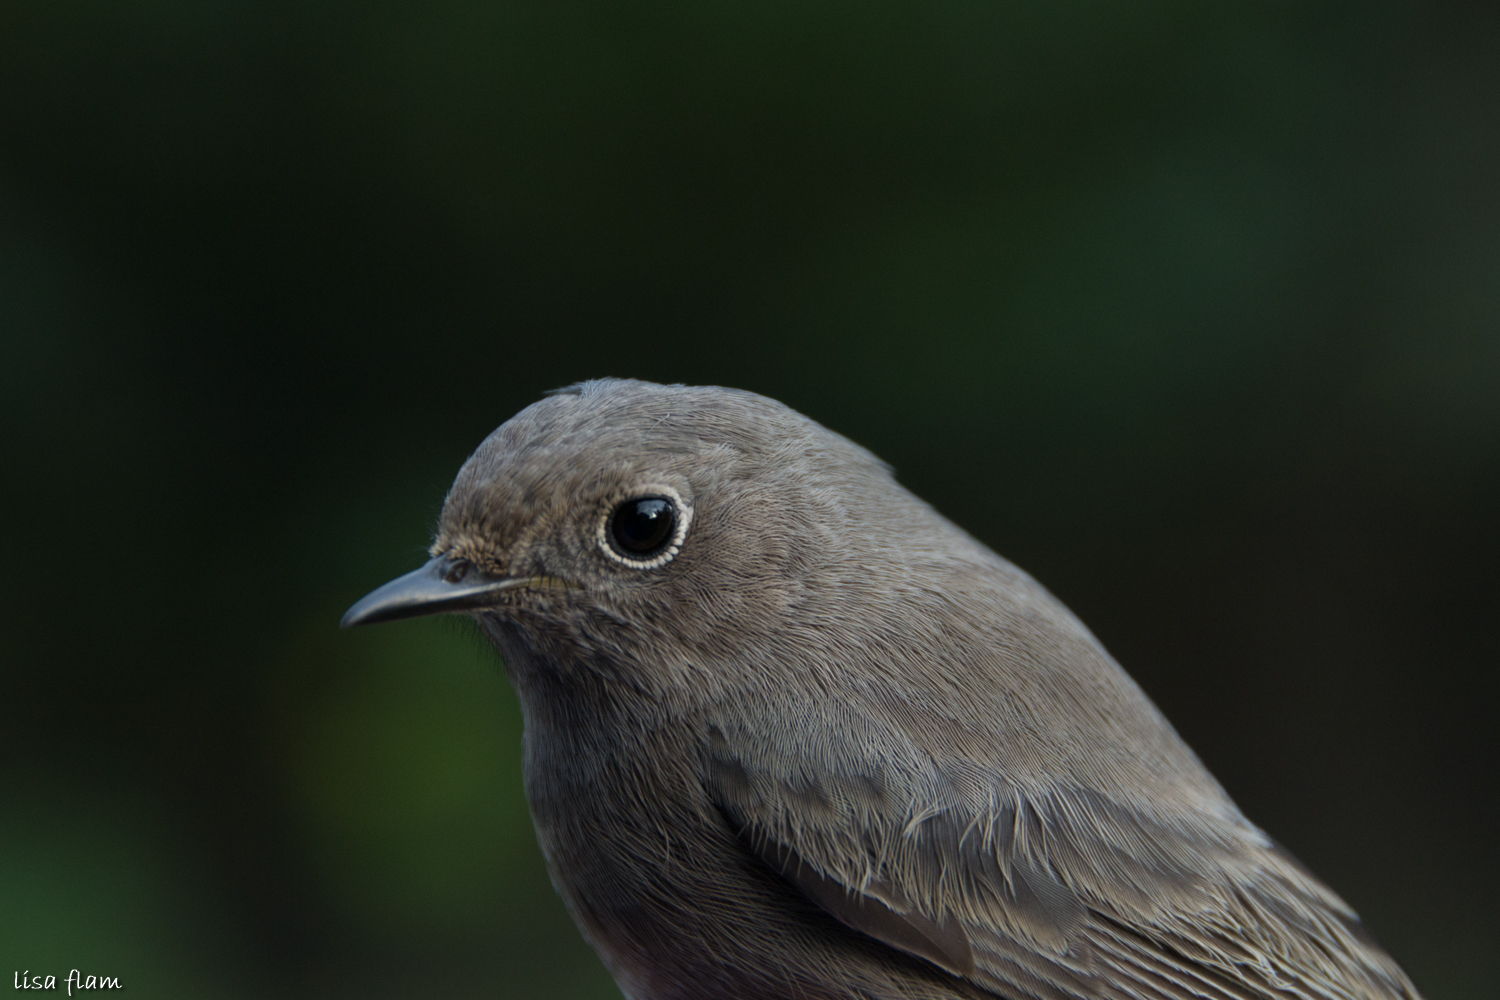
x: 1059, y: 895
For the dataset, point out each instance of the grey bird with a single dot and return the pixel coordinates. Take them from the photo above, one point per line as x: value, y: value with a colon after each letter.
x: 789, y: 733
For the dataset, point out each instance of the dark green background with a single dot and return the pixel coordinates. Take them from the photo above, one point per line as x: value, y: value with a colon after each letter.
x: 1193, y: 310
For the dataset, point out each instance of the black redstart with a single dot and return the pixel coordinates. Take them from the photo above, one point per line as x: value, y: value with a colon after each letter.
x: 792, y: 734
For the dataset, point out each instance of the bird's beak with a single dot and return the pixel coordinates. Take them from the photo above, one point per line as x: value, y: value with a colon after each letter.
x: 443, y: 586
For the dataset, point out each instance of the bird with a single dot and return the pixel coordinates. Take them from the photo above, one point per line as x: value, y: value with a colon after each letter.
x: 791, y: 734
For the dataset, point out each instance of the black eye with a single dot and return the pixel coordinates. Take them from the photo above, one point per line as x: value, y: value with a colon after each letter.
x: 644, y: 526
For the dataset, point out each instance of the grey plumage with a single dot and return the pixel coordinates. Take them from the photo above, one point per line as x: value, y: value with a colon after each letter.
x: 824, y: 744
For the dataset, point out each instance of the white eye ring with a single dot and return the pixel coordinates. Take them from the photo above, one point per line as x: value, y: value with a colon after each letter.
x: 683, y: 516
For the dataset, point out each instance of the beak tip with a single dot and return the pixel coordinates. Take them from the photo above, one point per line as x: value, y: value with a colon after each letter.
x: 385, y: 603
x: 359, y: 613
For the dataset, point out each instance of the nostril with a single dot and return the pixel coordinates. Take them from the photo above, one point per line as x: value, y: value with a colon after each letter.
x: 457, y: 570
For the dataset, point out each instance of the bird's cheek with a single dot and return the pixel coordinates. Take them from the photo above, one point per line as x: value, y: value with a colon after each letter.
x: 726, y: 615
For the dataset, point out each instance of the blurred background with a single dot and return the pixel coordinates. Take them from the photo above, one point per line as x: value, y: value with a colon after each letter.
x: 1193, y: 311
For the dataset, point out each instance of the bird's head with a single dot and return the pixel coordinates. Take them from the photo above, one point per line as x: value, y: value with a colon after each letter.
x: 635, y: 517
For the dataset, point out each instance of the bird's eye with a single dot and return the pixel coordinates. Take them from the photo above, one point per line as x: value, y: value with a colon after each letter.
x: 643, y: 528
